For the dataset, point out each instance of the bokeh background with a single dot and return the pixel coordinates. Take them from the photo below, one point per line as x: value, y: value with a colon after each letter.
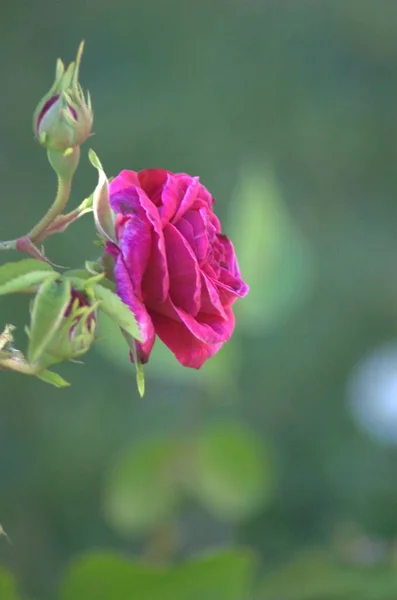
x: 271, y: 473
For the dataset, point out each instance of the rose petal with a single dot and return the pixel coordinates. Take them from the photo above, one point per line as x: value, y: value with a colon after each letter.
x: 197, y: 219
x: 129, y: 201
x: 229, y: 255
x: 207, y: 328
x: 184, y: 273
x: 124, y: 180
x: 210, y: 300
x: 126, y: 292
x: 189, y: 188
x: 152, y: 182
x: 136, y: 245
x: 170, y: 198
x: 186, y: 229
x: 189, y: 351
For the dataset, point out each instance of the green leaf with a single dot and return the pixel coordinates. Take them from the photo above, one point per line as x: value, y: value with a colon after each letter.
x: 141, y: 488
x: 21, y: 275
x: 48, y: 311
x: 232, y: 474
x: 226, y: 575
x: 111, y: 577
x: 223, y: 576
x: 274, y: 257
x: 316, y: 574
x: 53, y: 379
x: 8, y: 586
x: 119, y: 312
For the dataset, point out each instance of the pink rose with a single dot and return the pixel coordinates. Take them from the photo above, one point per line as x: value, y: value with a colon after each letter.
x: 173, y: 266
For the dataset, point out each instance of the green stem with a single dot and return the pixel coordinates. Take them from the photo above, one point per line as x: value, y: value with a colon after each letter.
x: 10, y: 245
x: 64, y: 165
x: 61, y: 199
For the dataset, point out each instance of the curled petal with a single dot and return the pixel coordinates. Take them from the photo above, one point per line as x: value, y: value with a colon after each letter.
x: 184, y: 273
x: 189, y: 350
x: 126, y: 292
x: 134, y: 202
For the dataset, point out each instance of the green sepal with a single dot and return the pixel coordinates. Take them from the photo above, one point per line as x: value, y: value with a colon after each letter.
x: 103, y: 214
x: 53, y: 379
x: 139, y: 372
x: 47, y: 314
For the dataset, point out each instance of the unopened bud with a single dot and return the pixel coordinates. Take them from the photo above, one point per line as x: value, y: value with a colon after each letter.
x: 77, y: 331
x: 63, y: 118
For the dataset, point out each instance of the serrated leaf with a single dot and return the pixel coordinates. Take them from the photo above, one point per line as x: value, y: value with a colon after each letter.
x: 53, y: 379
x: 48, y: 311
x: 23, y: 274
x: 119, y: 312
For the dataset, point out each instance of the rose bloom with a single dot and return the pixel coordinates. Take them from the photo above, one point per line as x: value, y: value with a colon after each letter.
x: 173, y: 266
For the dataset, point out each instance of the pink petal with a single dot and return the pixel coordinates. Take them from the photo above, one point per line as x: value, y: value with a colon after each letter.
x: 229, y: 255
x: 188, y: 191
x: 189, y: 351
x: 126, y: 292
x: 210, y: 300
x: 208, y: 328
x: 197, y: 219
x: 124, y: 180
x: 136, y: 244
x: 132, y: 201
x: 185, y: 228
x: 170, y: 198
x: 184, y: 273
x: 152, y: 182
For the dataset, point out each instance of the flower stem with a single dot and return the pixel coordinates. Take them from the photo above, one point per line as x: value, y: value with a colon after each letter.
x: 57, y: 207
x: 10, y: 245
x: 64, y: 165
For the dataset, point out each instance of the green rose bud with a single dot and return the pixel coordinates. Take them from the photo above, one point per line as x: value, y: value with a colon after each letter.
x: 63, y: 118
x: 76, y: 332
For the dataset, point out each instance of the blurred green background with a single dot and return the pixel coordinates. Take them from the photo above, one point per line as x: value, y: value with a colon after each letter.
x: 271, y: 473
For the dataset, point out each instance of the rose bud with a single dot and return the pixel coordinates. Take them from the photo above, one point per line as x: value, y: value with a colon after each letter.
x: 63, y: 118
x: 77, y: 331
x: 174, y: 267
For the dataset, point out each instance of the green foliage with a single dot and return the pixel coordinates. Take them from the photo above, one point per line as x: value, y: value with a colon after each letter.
x: 23, y: 274
x: 8, y: 586
x: 48, y: 309
x: 231, y: 474
x: 273, y: 254
x: 53, y: 379
x: 316, y: 575
x: 225, y: 468
x: 115, y: 308
x: 141, y: 488
x: 223, y: 576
